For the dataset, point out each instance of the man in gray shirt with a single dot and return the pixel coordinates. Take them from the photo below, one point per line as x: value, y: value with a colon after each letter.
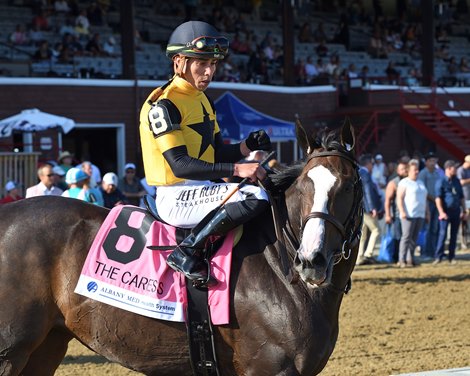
x: 429, y: 175
x: 463, y: 173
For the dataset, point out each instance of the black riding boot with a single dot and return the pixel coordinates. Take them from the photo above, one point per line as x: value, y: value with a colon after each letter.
x: 188, y: 256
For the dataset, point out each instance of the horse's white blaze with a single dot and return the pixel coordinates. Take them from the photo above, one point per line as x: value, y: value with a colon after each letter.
x: 314, y: 231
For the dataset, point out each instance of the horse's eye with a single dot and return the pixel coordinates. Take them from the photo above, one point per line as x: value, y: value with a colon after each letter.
x: 348, y: 188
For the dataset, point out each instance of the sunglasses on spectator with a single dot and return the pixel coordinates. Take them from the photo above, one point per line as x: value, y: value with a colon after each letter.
x: 50, y: 175
x: 210, y: 44
x: 130, y: 171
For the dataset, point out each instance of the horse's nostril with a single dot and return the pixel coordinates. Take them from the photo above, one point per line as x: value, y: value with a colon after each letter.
x: 318, y: 260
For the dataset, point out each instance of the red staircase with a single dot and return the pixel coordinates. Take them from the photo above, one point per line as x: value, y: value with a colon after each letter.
x: 368, y: 134
x: 437, y: 127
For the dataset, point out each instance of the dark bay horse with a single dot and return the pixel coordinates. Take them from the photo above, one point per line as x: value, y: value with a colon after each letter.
x: 278, y: 325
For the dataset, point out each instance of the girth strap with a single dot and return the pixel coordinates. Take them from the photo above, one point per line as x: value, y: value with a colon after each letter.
x: 200, y: 333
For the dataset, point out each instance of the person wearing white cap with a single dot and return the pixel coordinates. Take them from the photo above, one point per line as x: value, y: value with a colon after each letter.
x: 12, y: 193
x: 379, y: 172
x: 46, y: 186
x: 112, y: 196
x: 130, y: 185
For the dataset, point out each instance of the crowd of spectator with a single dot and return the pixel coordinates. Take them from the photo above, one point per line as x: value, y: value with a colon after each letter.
x: 260, y: 59
x: 74, y: 27
x: 416, y: 202
x: 64, y: 177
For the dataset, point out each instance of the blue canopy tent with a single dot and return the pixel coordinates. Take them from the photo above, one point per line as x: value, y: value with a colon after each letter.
x: 236, y: 120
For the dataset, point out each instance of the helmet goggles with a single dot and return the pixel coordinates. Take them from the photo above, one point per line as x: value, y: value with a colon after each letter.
x: 209, y: 44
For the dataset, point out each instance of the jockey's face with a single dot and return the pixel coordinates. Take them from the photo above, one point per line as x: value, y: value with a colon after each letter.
x: 199, y: 72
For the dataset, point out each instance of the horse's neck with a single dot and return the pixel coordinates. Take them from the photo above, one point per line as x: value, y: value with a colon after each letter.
x: 322, y: 303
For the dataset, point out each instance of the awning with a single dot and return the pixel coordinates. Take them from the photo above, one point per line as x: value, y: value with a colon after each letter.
x: 33, y: 120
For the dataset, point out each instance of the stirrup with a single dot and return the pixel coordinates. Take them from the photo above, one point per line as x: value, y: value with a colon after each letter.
x: 209, y: 281
x: 204, y: 283
x: 197, y: 282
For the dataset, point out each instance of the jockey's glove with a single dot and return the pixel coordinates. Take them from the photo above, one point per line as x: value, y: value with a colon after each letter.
x: 258, y: 140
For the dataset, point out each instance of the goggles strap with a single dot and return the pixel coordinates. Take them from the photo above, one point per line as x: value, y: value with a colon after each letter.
x: 183, y: 69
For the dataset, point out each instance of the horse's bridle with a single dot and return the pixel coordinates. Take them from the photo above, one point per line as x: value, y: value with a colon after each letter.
x: 347, y: 228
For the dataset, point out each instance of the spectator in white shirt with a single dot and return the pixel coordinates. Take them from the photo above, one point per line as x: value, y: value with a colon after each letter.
x: 352, y: 71
x: 311, y: 70
x: 46, y: 185
x: 109, y: 47
x: 82, y: 25
x: 411, y: 202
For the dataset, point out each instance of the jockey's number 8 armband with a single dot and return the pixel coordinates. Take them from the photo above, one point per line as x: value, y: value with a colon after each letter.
x: 163, y: 117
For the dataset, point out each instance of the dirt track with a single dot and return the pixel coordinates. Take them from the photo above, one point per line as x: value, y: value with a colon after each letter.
x: 393, y: 321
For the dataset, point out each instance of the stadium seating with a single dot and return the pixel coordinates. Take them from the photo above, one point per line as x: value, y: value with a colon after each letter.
x: 156, y: 25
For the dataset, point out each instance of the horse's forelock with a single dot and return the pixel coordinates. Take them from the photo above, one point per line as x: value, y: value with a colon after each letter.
x: 331, y: 141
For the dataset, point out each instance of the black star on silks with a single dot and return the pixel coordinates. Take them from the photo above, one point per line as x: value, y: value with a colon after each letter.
x: 206, y: 130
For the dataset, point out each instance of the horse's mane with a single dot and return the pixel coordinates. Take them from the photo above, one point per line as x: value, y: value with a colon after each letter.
x: 326, y: 140
x: 284, y: 178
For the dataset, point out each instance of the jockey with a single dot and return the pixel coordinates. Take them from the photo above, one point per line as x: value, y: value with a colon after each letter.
x: 183, y: 151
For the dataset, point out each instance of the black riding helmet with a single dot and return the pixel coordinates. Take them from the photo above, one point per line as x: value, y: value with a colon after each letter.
x: 197, y: 39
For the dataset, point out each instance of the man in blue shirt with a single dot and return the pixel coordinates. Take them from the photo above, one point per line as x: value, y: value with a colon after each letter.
x: 450, y: 204
x: 373, y: 208
x: 429, y: 175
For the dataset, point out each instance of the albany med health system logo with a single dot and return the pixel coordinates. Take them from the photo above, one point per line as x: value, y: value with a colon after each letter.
x: 92, y: 286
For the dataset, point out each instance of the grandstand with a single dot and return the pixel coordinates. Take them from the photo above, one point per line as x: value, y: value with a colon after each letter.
x: 155, y: 27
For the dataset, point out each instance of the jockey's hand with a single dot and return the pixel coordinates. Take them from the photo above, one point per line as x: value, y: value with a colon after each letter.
x: 252, y: 171
x: 258, y: 140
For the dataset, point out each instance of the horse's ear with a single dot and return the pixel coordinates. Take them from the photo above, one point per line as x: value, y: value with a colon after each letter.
x: 305, y: 141
x: 348, y: 140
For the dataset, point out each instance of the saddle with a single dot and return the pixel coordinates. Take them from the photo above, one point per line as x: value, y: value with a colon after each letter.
x: 151, y: 207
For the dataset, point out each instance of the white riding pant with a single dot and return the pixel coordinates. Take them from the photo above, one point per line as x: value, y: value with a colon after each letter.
x: 186, y: 204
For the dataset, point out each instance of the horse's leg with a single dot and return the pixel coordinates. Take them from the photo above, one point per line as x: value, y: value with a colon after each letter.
x: 24, y: 327
x: 48, y: 356
x: 15, y: 347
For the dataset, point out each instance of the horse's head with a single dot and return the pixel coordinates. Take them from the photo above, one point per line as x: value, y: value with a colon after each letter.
x: 325, y: 204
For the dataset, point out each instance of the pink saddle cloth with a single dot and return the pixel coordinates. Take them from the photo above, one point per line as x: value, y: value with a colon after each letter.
x: 121, y: 271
